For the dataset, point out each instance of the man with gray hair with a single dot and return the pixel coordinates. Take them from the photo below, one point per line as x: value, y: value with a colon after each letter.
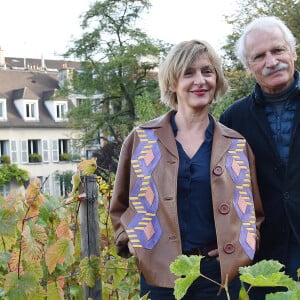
x: 269, y: 119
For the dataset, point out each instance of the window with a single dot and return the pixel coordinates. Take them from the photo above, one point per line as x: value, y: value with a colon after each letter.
x: 63, y: 149
x: 30, y: 110
x: 31, y: 151
x: 3, y: 114
x: 4, y: 147
x: 61, y: 110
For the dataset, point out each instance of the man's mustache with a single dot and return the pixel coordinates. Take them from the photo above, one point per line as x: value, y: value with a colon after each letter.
x: 279, y: 67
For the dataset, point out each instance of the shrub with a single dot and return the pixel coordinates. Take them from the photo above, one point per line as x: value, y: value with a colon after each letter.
x: 35, y: 157
x: 5, y: 159
x: 64, y: 157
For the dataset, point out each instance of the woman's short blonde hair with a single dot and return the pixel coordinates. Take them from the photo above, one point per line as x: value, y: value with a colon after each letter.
x: 178, y: 60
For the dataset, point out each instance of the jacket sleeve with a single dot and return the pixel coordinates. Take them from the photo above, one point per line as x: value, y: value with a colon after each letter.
x: 120, y: 200
x: 259, y: 213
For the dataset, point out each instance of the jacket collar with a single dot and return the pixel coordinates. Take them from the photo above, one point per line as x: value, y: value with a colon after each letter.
x: 164, y: 132
x: 258, y: 95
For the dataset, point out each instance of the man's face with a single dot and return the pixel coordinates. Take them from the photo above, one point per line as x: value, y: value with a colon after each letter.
x: 270, y: 59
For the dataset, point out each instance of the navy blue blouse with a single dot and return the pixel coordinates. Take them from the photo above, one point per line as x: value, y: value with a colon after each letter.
x: 194, y: 201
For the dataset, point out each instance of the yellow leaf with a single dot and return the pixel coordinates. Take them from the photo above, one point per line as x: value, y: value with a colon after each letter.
x: 87, y: 166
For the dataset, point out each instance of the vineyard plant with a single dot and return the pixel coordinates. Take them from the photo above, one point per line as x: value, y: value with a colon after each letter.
x: 40, y: 255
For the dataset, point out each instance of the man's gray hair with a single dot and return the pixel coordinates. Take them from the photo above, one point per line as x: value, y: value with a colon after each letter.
x: 265, y: 23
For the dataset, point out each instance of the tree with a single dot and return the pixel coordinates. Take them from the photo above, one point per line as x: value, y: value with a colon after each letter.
x: 119, y: 62
x: 242, y: 83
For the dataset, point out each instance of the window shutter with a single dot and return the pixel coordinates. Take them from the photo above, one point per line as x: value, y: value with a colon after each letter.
x: 24, y: 151
x: 13, y: 151
x: 54, y: 148
x: 45, y: 150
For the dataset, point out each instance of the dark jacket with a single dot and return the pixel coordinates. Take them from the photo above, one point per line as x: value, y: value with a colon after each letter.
x: 144, y: 202
x: 279, y: 185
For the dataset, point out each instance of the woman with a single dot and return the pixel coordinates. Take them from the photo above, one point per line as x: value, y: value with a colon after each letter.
x: 186, y: 184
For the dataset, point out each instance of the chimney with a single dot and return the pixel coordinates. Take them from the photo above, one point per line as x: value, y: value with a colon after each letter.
x: 43, y: 65
x: 2, y: 58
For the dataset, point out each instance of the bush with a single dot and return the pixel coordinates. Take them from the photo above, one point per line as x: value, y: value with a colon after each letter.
x: 64, y: 157
x: 5, y: 159
x: 35, y: 157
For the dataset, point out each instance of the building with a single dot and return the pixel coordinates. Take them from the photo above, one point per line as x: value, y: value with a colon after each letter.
x: 34, y: 131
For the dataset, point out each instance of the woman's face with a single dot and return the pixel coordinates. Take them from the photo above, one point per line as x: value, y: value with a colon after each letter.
x: 196, y: 87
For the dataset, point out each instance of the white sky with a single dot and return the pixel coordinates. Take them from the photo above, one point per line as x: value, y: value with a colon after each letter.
x: 35, y: 28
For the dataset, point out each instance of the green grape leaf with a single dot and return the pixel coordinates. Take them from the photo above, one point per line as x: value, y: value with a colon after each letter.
x: 18, y: 288
x: 89, y: 270
x: 243, y: 295
x: 188, y: 268
x: 34, y: 268
x: 266, y: 273
x: 288, y: 295
x: 4, y: 259
x: 54, y: 292
x: 8, y: 222
x: 75, y: 182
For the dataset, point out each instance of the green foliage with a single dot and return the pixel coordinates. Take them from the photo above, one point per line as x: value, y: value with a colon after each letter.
x: 89, y: 267
x: 118, y: 66
x: 266, y: 273
x: 10, y: 173
x: 40, y: 255
x: 5, y: 159
x: 35, y: 157
x: 65, y: 157
x: 188, y: 269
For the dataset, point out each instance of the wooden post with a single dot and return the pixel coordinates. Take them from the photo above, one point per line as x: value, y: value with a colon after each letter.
x: 89, y: 230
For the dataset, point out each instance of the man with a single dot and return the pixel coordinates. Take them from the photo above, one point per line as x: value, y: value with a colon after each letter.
x: 269, y: 119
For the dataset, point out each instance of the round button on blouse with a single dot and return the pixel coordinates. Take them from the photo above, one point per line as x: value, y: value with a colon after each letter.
x: 218, y: 170
x: 229, y: 248
x: 224, y: 208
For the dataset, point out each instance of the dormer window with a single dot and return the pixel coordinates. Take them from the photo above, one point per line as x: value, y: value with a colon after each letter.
x: 58, y: 109
x: 3, y: 113
x: 28, y: 109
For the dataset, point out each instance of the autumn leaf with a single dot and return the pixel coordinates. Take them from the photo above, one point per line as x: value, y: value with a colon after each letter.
x: 63, y: 230
x: 87, y: 166
x: 34, y: 237
x: 33, y: 193
x: 89, y: 270
x: 14, y: 262
x: 60, y: 252
x: 188, y: 269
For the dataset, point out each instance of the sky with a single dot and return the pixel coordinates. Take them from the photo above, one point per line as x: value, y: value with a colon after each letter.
x: 43, y: 28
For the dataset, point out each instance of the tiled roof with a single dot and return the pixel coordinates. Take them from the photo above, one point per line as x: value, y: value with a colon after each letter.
x: 21, y: 84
